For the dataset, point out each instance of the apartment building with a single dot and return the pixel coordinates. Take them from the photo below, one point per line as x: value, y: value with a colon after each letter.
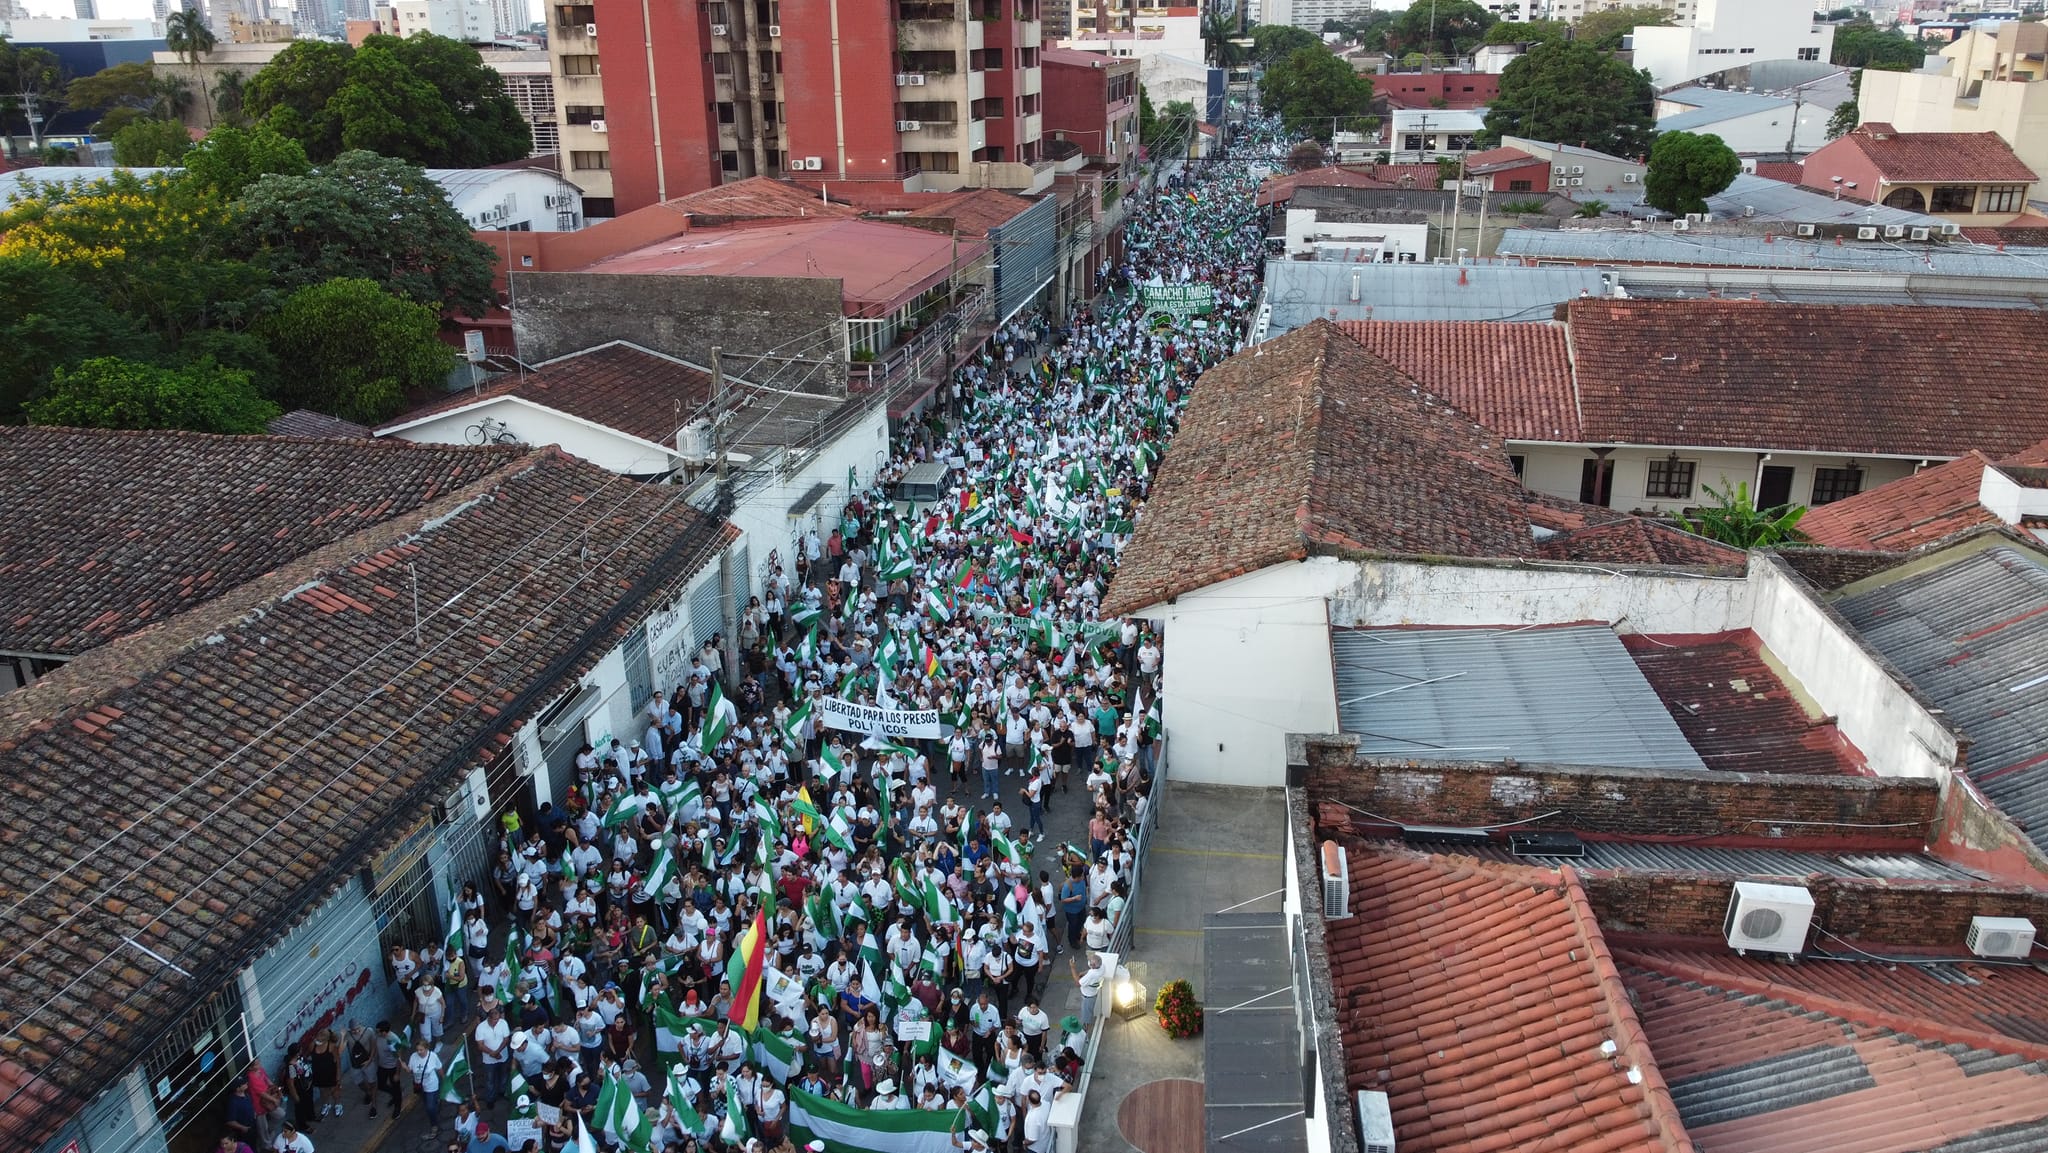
x: 1990, y: 81
x: 924, y: 94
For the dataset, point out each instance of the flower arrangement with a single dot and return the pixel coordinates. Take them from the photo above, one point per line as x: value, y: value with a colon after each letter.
x: 1179, y: 1013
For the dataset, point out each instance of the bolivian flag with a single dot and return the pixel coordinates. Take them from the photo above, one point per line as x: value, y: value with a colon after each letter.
x: 744, y: 972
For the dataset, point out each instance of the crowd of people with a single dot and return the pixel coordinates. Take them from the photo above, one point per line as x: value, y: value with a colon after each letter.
x: 744, y: 910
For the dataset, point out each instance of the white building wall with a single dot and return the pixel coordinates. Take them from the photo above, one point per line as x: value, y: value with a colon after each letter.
x: 1896, y: 734
x: 764, y: 516
x: 1771, y: 130
x: 1555, y: 470
x: 1248, y: 661
x: 522, y: 194
x: 1728, y: 34
x: 1411, y: 593
x: 539, y: 426
x: 1305, y: 234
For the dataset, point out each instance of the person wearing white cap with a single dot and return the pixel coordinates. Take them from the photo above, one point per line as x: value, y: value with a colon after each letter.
x: 885, y: 1096
x: 815, y: 1147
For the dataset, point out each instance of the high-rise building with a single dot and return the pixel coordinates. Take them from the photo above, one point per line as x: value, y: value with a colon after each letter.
x: 923, y: 94
x: 85, y: 9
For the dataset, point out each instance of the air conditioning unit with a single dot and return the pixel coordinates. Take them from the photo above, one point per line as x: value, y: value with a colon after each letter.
x: 1768, y: 918
x: 1578, y: 170
x: 1807, y: 230
x: 774, y: 30
x: 597, y: 126
x: 1577, y: 181
x: 1375, y: 1122
x: 693, y: 441
x: 590, y: 29
x: 909, y: 125
x: 1894, y: 231
x: 1696, y: 217
x: 1749, y: 210
x: 1635, y: 226
x: 719, y: 29
x: 1951, y: 229
x: 1560, y: 181
x: 480, y: 794
x: 1628, y: 178
x: 1336, y: 881
x: 914, y: 79
x: 1559, y: 170
x: 813, y: 163
x: 1866, y: 232
x: 1918, y: 234
x: 1681, y: 225
x: 2001, y: 936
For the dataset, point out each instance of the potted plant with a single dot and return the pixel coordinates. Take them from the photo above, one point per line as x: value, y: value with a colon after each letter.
x: 1179, y: 1013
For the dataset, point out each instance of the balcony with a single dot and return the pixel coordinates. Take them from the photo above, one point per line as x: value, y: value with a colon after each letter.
x: 1030, y: 82
x: 1011, y: 176
x: 931, y: 36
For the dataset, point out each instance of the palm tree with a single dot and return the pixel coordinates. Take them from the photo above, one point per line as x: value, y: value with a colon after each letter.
x: 186, y: 33
x: 1591, y: 209
x: 1734, y: 519
x: 230, y: 90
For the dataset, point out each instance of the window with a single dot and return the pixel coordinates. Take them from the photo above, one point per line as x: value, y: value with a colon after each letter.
x: 2003, y: 199
x: 1809, y: 53
x: 1519, y: 186
x: 1831, y: 484
x: 721, y: 63
x: 1670, y: 479
x: 582, y: 113
x: 729, y: 161
x: 581, y: 64
x: 1953, y: 198
x: 590, y: 161
x: 1517, y: 461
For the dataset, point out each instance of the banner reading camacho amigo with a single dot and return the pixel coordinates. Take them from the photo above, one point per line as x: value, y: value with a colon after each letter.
x: 917, y: 724
x: 1180, y: 299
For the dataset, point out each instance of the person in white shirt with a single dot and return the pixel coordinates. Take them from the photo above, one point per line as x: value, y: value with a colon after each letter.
x: 425, y: 1066
x: 493, y: 1042
x: 290, y: 1140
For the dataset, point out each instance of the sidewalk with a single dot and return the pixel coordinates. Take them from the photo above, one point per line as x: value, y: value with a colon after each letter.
x: 1216, y: 846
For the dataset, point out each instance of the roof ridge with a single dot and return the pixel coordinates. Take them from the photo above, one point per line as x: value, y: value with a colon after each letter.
x: 1925, y: 1028
x: 1633, y: 1039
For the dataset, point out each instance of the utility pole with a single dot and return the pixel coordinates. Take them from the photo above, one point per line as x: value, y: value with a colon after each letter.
x: 719, y: 508
x: 1792, y: 141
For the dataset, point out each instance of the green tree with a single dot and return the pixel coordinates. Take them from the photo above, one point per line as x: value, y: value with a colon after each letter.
x: 229, y: 93
x: 1272, y: 43
x: 1686, y: 168
x: 230, y: 159
x: 1573, y: 93
x: 49, y: 320
x: 1443, y: 28
x: 1527, y: 32
x: 1312, y: 89
x: 186, y: 33
x: 151, y: 144
x: 1734, y: 519
x: 352, y: 350
x: 365, y: 216
x: 108, y: 392
x: 1217, y: 34
x: 1604, y: 30
x: 129, y: 85
x: 29, y: 74
x: 426, y: 99
x: 1861, y: 43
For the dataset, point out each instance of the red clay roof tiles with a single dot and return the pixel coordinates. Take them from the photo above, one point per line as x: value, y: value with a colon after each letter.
x: 1477, y: 996
x: 1932, y: 504
x: 1921, y: 157
x: 1817, y: 378
x: 618, y: 386
x: 220, y: 725
x: 1515, y: 379
x: 1311, y: 443
x: 83, y: 551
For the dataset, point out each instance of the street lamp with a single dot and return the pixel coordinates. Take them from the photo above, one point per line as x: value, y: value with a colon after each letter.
x: 1128, y: 996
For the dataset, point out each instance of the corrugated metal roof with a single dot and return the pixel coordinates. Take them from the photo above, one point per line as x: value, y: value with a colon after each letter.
x: 1622, y: 855
x: 1713, y: 105
x: 1779, y: 200
x: 1570, y: 695
x: 1706, y: 247
x: 1973, y: 636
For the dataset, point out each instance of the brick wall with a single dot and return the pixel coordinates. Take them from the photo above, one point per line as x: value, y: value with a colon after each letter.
x: 563, y: 312
x: 1723, y: 808
x: 1976, y: 834
x: 1906, y: 916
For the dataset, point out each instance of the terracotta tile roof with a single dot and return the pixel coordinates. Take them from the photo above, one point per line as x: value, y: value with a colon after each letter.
x: 757, y: 197
x: 1633, y: 540
x: 1788, y: 171
x: 973, y: 211
x: 1978, y: 1004
x: 1733, y: 707
x: 83, y: 549
x: 1932, y: 504
x: 1477, y: 996
x: 1755, y: 1074
x: 220, y: 728
x: 1515, y: 379
x: 1306, y: 444
x: 1920, y: 157
x: 1804, y: 377
x: 306, y: 422
x: 619, y: 386
x: 1499, y: 160
x: 1280, y: 189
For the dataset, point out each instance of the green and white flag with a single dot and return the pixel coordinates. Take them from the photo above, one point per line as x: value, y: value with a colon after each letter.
x: 847, y: 1129
x: 520, y: 1092
x: 777, y: 1055
x: 718, y: 714
x: 682, y: 796
x: 1006, y: 848
x: 624, y: 807
x: 838, y: 830
x: 807, y: 648
x: 457, y: 1072
x: 829, y: 762
x: 660, y: 871
x: 682, y: 1096
x: 456, y: 938
x: 735, y: 1130
x: 793, y: 727
x: 804, y: 616
x: 620, y: 1116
